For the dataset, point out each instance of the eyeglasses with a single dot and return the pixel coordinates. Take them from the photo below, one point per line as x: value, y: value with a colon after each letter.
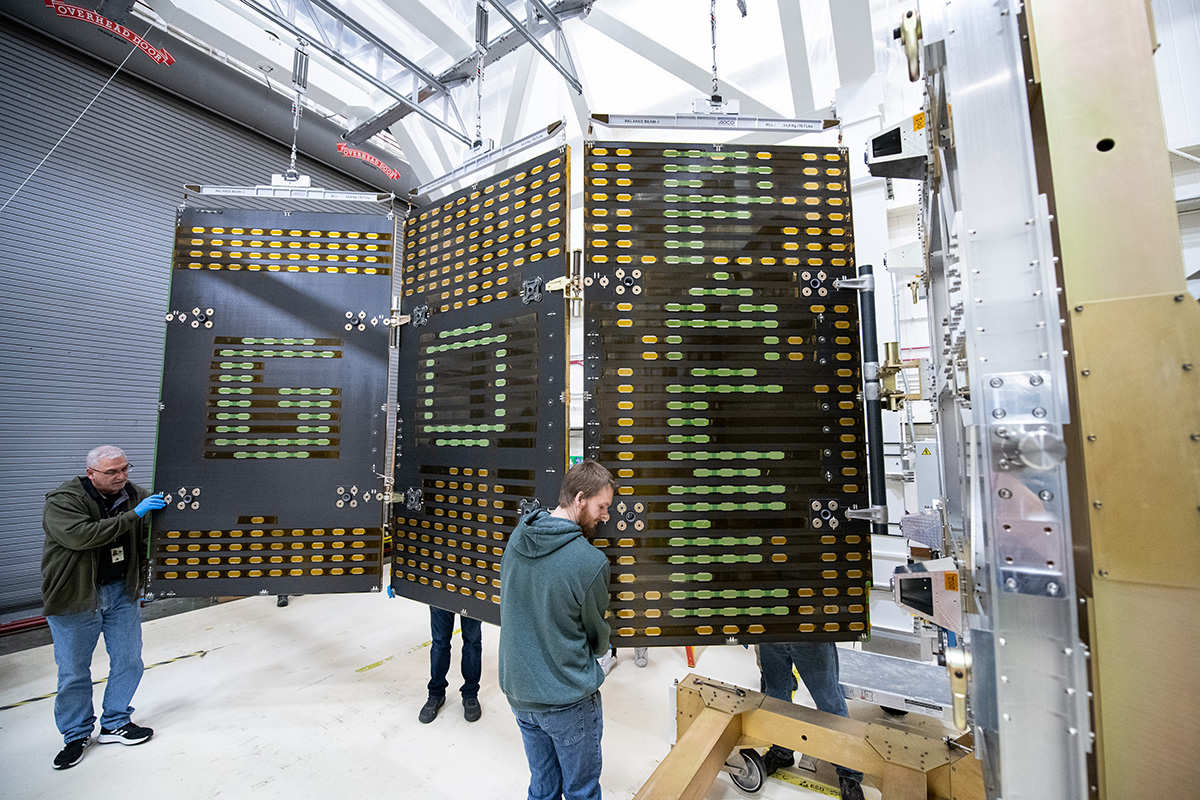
x: 111, y: 472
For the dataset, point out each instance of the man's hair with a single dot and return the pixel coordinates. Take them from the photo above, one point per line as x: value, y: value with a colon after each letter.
x: 104, y: 452
x: 589, y: 477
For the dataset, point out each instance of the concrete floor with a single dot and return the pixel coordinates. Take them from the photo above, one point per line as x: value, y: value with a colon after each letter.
x: 320, y: 699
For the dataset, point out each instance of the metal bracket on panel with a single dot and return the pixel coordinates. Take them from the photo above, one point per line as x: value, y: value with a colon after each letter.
x: 358, y: 321
x: 527, y: 505
x: 531, y: 290
x: 875, y: 514
x: 420, y: 316
x: 414, y: 499
x: 559, y: 284
x: 347, y: 497
x: 199, y: 316
x: 1026, y: 451
x: 385, y: 494
x: 184, y: 498
x: 396, y: 320
x: 863, y: 283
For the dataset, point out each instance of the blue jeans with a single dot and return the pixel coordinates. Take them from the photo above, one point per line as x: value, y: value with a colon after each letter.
x: 562, y: 746
x: 75, y: 637
x: 817, y: 663
x: 441, y: 625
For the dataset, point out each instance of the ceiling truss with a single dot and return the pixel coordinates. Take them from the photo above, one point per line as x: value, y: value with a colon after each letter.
x: 351, y: 45
x: 550, y: 18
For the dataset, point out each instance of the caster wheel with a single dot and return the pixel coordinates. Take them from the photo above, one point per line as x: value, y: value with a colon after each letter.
x: 751, y: 774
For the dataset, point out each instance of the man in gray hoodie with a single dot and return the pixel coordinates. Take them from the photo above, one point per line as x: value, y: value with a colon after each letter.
x: 553, y: 610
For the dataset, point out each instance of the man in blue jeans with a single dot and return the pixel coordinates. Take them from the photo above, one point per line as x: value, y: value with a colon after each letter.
x: 441, y: 625
x: 93, y: 565
x: 817, y: 663
x: 553, y: 609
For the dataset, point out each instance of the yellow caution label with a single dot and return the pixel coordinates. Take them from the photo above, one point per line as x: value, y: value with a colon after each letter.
x: 951, y: 581
x: 926, y: 452
x: 918, y: 121
x: 807, y: 783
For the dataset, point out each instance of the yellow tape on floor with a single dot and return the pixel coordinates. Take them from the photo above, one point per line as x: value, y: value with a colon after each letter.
x: 200, y: 653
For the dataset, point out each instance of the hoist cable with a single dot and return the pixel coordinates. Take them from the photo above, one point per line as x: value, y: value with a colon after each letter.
x: 72, y: 126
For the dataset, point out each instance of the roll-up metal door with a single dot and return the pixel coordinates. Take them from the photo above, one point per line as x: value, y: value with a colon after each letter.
x: 85, y: 256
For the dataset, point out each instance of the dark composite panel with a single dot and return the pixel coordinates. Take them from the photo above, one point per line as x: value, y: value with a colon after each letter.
x: 482, y: 426
x: 272, y: 428
x: 724, y: 376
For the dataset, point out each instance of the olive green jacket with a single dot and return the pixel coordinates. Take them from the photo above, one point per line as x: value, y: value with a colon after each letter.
x: 75, y: 530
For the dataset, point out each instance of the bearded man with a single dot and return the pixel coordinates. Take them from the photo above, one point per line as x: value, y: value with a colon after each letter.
x: 553, y: 625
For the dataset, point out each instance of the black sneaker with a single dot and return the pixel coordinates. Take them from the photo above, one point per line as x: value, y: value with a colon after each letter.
x: 776, y: 759
x: 851, y: 789
x: 72, y: 753
x: 429, y: 710
x: 471, y: 709
x: 128, y: 733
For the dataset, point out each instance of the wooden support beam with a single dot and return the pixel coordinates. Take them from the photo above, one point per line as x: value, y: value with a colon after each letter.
x: 713, y: 719
x: 691, y: 767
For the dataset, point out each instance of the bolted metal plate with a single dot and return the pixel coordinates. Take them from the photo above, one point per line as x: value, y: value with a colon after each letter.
x: 1144, y: 483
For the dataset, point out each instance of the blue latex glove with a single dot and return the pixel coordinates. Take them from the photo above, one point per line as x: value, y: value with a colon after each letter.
x: 151, y: 503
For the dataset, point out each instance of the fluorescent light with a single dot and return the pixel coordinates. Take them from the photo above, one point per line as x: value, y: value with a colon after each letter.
x: 558, y: 127
x: 732, y: 122
x: 291, y: 192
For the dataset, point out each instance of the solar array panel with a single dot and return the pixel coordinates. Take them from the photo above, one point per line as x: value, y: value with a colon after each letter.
x: 482, y: 427
x: 271, y: 433
x: 724, y: 372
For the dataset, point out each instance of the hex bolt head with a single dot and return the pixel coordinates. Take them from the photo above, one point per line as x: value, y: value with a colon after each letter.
x: 1005, y: 493
x: 1036, y: 380
x: 1039, y: 412
x: 1010, y: 583
x: 1052, y: 589
x: 995, y: 383
x: 998, y: 413
x: 1046, y: 495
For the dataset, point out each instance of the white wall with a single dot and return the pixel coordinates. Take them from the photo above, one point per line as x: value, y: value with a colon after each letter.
x: 1177, y: 24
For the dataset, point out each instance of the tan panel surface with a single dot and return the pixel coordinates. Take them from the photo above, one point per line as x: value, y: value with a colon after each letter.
x: 1143, y: 407
x: 1147, y: 657
x: 1094, y: 96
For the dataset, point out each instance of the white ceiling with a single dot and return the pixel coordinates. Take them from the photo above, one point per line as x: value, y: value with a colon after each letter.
x: 785, y: 58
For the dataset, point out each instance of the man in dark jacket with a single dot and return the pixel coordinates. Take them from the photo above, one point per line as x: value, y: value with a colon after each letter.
x: 553, y: 609
x: 93, y: 561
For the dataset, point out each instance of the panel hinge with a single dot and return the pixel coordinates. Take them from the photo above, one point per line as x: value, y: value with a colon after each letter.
x: 863, y: 283
x: 876, y: 514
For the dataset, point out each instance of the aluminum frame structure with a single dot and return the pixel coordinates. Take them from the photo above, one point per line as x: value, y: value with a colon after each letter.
x: 325, y: 27
x: 1001, y: 401
x: 550, y: 18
